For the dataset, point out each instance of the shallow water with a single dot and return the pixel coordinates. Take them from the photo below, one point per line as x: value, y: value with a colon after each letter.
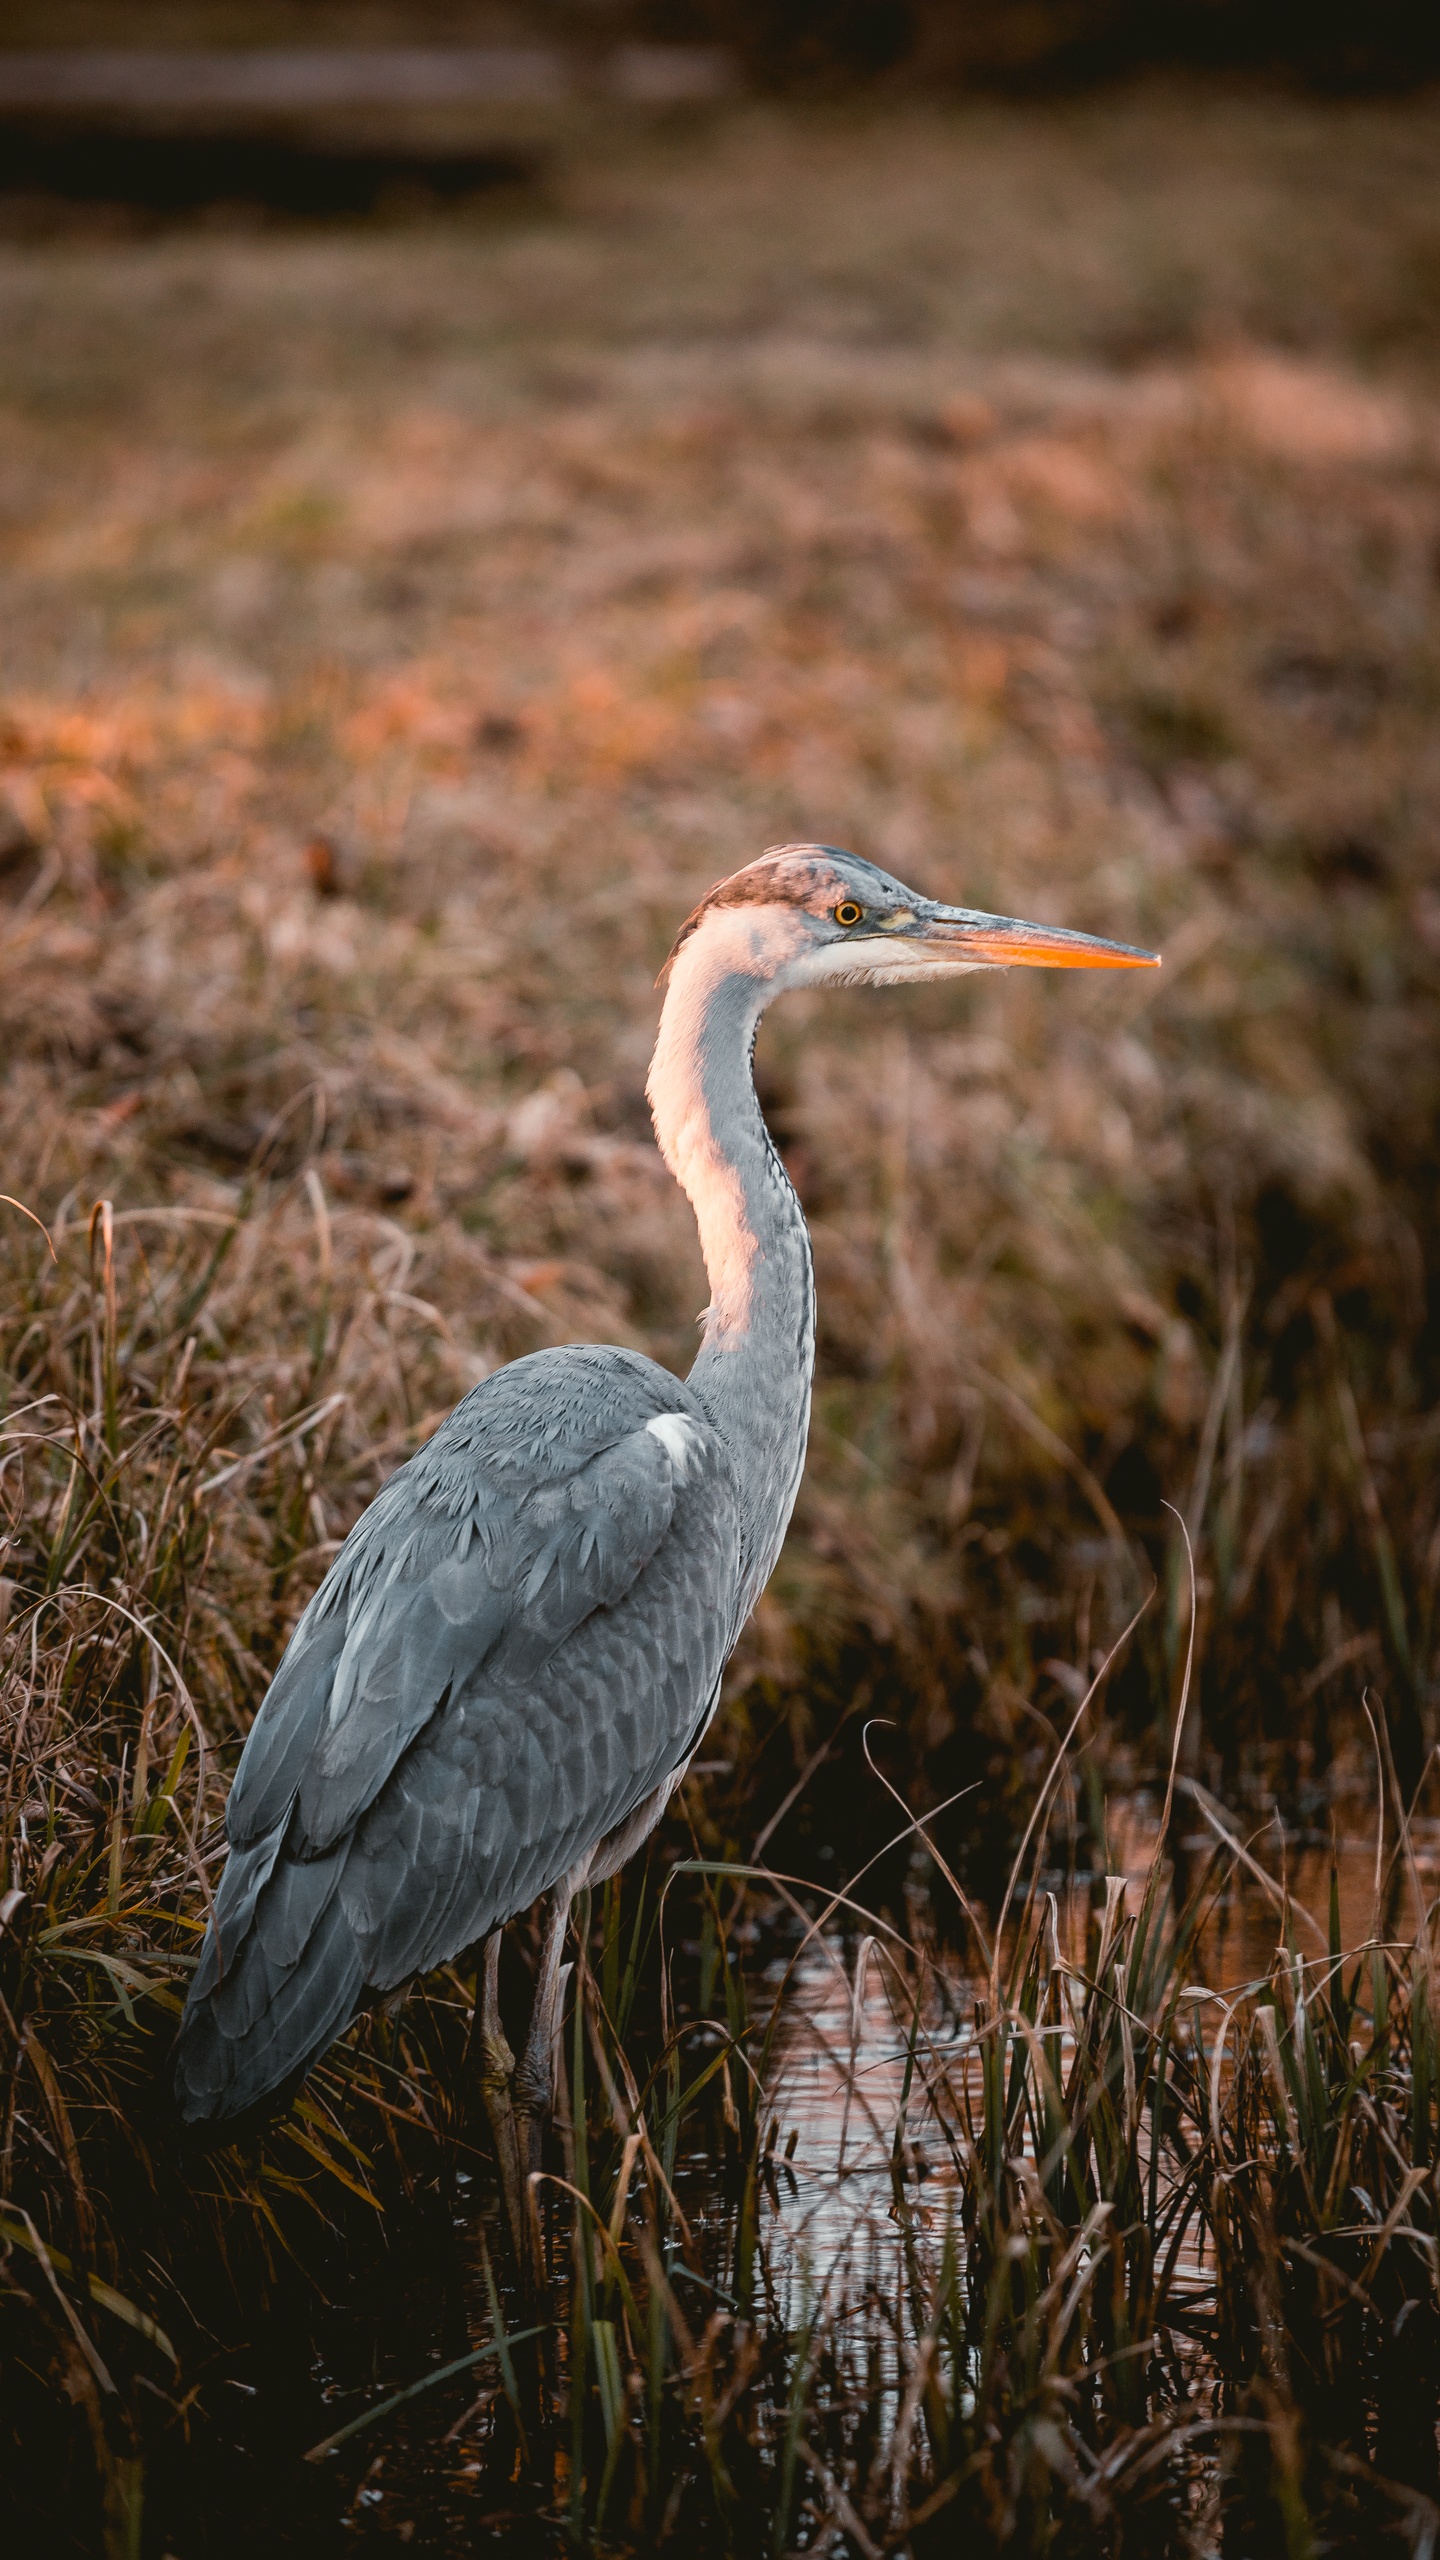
x: 839, y: 2076
x: 845, y: 2205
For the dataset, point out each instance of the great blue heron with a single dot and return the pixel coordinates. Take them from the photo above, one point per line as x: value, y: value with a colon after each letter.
x: 503, y: 1676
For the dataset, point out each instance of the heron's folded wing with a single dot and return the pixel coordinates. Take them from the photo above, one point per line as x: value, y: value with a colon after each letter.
x: 526, y: 1773
x: 484, y: 1555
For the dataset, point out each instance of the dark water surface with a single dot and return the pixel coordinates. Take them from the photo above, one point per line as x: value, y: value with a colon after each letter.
x: 433, y: 2474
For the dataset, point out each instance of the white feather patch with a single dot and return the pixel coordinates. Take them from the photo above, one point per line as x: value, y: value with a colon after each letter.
x: 679, y: 1436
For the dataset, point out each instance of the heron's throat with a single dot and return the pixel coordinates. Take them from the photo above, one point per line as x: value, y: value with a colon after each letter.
x: 711, y: 1133
x: 753, y: 1370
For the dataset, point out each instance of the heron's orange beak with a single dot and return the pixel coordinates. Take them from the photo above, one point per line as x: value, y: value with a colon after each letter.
x: 970, y: 939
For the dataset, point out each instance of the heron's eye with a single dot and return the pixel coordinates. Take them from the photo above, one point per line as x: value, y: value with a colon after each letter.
x: 847, y: 912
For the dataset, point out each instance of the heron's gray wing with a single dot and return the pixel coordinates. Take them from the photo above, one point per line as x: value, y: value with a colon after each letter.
x: 528, y: 1770
x: 517, y: 1642
x: 532, y: 1553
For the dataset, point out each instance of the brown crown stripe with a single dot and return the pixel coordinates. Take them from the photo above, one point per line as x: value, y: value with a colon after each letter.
x: 788, y: 875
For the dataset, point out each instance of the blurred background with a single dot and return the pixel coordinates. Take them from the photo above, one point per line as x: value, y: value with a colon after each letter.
x: 469, y: 478
x: 808, y: 43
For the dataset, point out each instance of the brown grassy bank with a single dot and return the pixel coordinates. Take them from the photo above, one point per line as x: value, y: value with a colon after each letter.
x: 401, y: 627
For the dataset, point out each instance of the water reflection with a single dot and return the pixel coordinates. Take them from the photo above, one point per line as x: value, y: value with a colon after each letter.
x: 877, y: 2046
x: 853, y: 2090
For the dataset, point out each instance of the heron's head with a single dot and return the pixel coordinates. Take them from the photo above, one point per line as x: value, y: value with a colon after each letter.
x: 807, y: 915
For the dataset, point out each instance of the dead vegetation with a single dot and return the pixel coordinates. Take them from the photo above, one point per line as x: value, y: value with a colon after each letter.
x: 402, y: 628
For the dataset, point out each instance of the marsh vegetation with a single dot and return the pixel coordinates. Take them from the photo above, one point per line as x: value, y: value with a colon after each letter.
x: 402, y: 626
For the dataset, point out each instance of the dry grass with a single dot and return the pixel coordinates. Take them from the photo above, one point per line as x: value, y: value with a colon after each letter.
x: 1102, y: 2259
x: 401, y: 629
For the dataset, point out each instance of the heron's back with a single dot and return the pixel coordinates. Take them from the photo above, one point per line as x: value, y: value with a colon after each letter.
x: 519, y: 1642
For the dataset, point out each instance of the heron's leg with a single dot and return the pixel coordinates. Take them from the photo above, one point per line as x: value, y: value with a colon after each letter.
x: 497, y: 2073
x: 534, y: 2087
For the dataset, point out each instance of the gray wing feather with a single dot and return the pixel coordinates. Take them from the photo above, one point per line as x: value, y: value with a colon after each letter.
x: 285, y: 1732
x: 521, y: 1777
x: 502, y: 1599
x: 514, y: 1647
x: 293, y: 1985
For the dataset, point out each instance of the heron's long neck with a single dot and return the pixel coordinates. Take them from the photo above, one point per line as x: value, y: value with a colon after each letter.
x: 754, y: 1367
